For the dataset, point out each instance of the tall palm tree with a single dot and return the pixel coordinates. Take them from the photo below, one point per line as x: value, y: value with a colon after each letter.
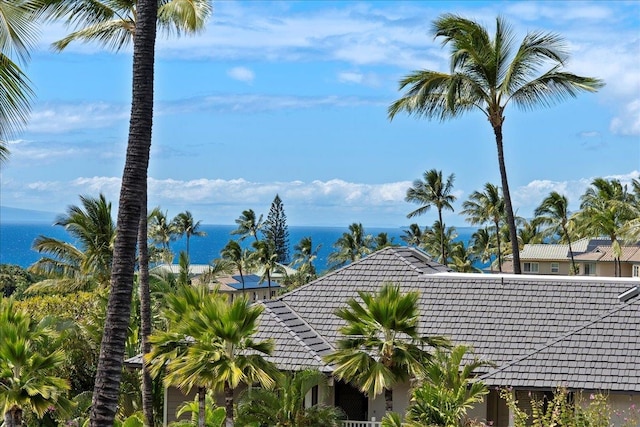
x: 381, y: 345
x: 605, y: 208
x: 210, y: 345
x: 487, y: 207
x: 351, y: 246
x: 265, y: 255
x: 234, y: 253
x: 68, y: 267
x: 30, y: 352
x: 304, y: 255
x: 162, y: 232
x: 554, y: 212
x: 184, y: 225
x: 432, y: 191
x: 413, y: 236
x: 18, y: 32
x: 438, y: 239
x: 114, y: 25
x: 461, y: 259
x: 248, y: 225
x: 488, y: 74
x: 482, y: 246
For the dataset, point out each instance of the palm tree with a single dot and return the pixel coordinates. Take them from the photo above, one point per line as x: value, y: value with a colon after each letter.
x: 413, y: 236
x: 554, y: 212
x: 29, y: 355
x: 439, y: 239
x: 447, y: 390
x: 208, y: 345
x: 382, y: 346
x: 234, y: 253
x: 487, y: 207
x: 70, y: 268
x: 248, y: 225
x: 631, y: 230
x: 351, y: 246
x: 266, y: 256
x: 482, y: 246
x: 461, y: 260
x: 529, y: 232
x: 185, y: 226
x: 432, y: 191
x: 114, y: 25
x: 162, y: 232
x: 605, y: 208
x: 488, y: 74
x: 18, y: 34
x: 284, y: 406
x: 303, y: 257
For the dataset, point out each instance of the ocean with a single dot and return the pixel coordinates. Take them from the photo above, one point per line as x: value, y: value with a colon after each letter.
x: 16, y: 240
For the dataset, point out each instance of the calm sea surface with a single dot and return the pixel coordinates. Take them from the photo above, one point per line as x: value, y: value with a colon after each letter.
x: 16, y: 240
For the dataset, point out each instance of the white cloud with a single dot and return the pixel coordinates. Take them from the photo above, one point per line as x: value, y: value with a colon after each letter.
x: 628, y: 121
x: 242, y: 74
x: 66, y: 117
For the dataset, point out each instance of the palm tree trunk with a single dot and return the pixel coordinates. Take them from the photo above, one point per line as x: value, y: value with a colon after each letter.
x: 573, y: 262
x: 145, y: 313
x: 13, y: 417
x: 444, y: 256
x: 497, y: 224
x: 109, y: 371
x: 269, y: 284
x: 202, y: 406
x: 513, y: 235
x: 228, y: 404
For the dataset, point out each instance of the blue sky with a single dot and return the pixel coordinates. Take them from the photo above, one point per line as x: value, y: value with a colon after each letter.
x: 291, y: 98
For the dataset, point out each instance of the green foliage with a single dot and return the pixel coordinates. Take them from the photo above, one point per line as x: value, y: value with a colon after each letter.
x: 14, y: 281
x: 563, y: 411
x: 284, y: 406
x: 214, y: 417
x: 351, y: 246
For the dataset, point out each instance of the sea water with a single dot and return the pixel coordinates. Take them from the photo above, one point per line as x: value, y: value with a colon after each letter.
x: 16, y: 241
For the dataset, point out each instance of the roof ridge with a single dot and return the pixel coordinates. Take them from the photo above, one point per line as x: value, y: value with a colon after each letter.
x: 295, y: 336
x: 556, y: 340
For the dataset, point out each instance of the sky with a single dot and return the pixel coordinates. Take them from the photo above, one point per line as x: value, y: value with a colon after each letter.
x: 291, y: 98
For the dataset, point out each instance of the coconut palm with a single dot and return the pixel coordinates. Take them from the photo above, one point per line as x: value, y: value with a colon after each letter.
x: 351, y: 246
x: 239, y: 257
x: 381, y: 345
x: 162, y: 232
x: 30, y: 352
x: 529, y: 232
x: 265, y: 255
x: 68, y: 267
x: 605, y: 208
x: 413, y: 236
x: 248, y: 225
x: 304, y: 256
x: 114, y: 25
x: 284, y: 406
x: 438, y: 239
x: 631, y: 230
x: 482, y: 246
x: 461, y: 259
x: 432, y: 191
x: 489, y: 74
x: 18, y: 34
x: 209, y: 345
x: 487, y: 207
x: 184, y: 225
x: 554, y: 212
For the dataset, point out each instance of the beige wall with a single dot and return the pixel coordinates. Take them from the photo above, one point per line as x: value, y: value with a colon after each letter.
x: 401, y: 396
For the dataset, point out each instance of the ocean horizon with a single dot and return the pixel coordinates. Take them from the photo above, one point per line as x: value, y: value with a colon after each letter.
x: 17, y: 238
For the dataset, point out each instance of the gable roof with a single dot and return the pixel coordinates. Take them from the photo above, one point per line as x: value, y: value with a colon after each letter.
x: 524, y: 324
x: 606, y: 254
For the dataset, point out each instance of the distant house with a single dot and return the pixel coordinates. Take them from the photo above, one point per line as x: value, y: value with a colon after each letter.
x: 593, y: 257
x: 541, y: 331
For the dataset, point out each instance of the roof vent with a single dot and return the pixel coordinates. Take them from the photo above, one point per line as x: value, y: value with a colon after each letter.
x: 627, y: 295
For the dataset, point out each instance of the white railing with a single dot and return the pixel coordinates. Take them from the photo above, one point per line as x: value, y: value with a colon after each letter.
x: 372, y: 423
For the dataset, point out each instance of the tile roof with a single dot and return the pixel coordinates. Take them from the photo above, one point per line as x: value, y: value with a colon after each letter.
x: 515, y: 321
x: 605, y: 254
x: 545, y: 251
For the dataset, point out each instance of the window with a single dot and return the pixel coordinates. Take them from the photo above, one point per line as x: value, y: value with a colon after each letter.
x: 273, y: 294
x: 255, y: 296
x: 636, y: 271
x: 530, y: 267
x: 589, y: 269
x: 555, y: 267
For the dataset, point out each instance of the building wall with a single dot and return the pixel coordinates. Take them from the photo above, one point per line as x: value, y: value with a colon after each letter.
x: 401, y: 397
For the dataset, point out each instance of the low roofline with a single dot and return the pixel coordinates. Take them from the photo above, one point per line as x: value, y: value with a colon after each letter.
x: 536, y: 277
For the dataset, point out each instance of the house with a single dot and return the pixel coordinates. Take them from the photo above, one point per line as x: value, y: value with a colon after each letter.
x: 540, y: 331
x: 593, y: 257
